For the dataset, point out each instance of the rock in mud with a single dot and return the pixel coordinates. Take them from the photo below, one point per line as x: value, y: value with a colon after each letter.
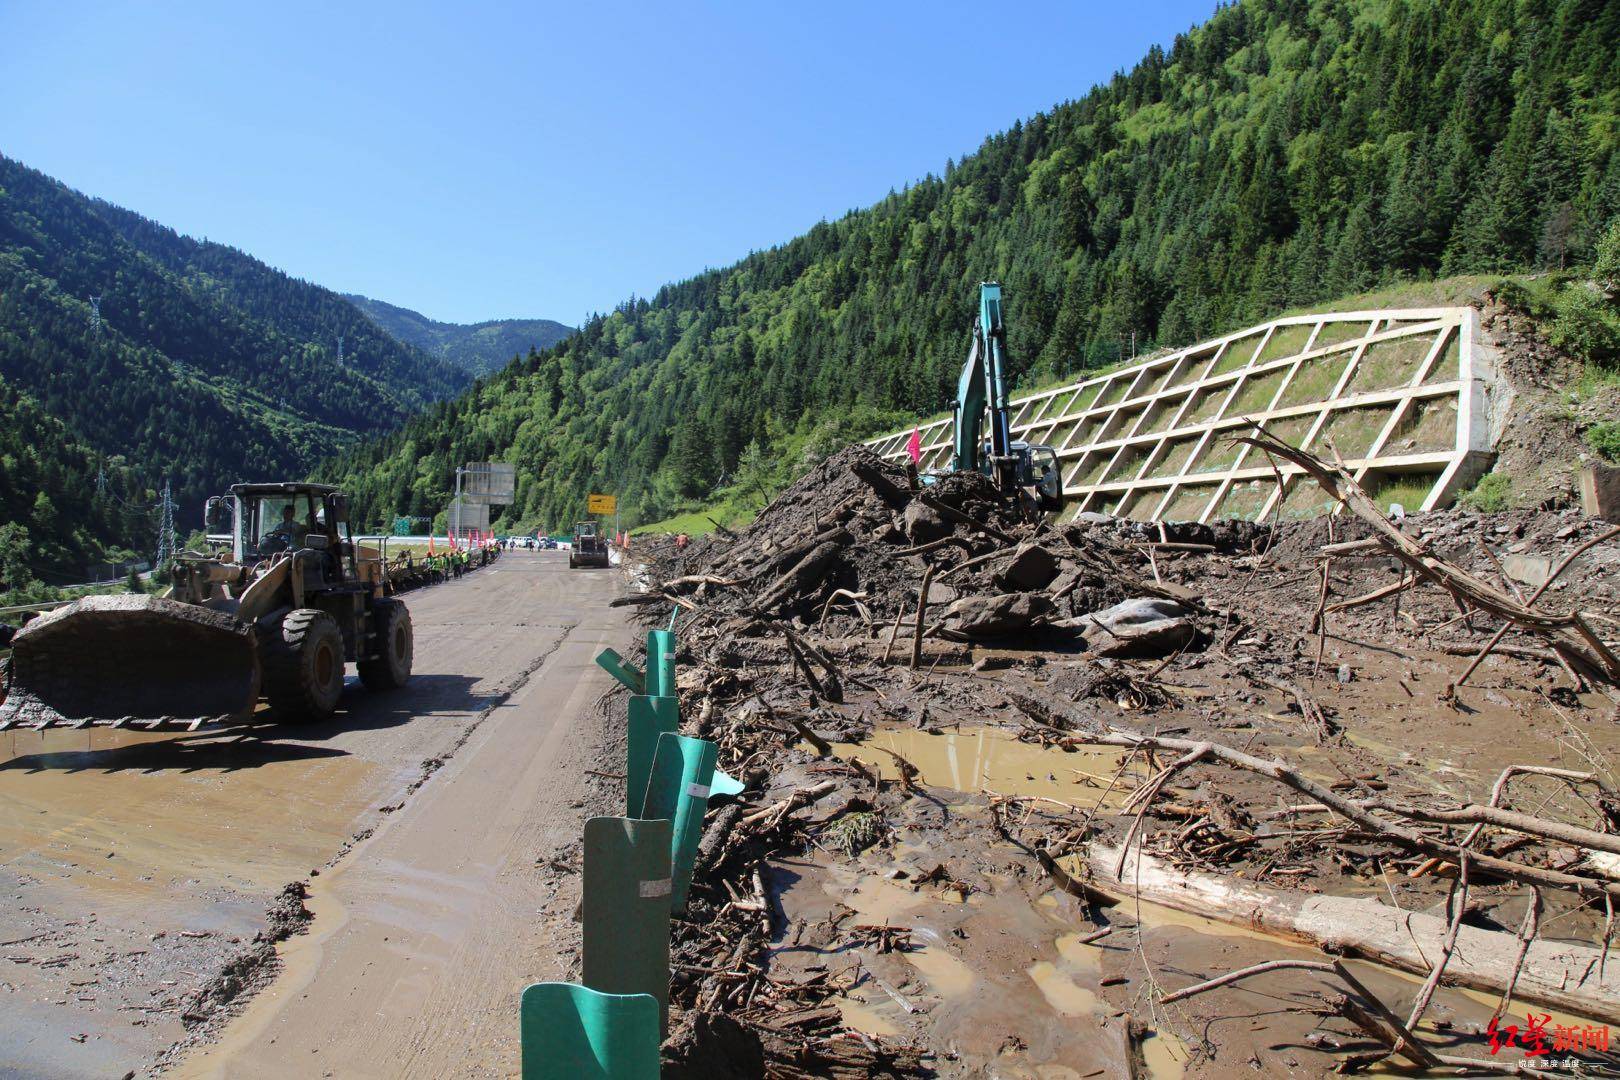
x: 1032, y: 568
x: 924, y: 524
x: 995, y: 616
x: 1143, y: 627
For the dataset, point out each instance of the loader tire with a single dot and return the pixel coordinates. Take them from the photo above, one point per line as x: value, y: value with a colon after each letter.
x: 394, y: 645
x: 303, y: 667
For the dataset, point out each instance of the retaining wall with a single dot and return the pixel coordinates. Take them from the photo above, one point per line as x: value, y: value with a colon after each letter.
x: 1403, y: 395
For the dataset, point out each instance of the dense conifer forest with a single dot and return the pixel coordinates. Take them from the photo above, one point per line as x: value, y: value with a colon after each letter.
x: 208, y: 367
x: 1284, y: 152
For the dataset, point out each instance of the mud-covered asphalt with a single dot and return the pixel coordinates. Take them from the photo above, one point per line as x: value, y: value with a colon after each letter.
x: 134, y: 866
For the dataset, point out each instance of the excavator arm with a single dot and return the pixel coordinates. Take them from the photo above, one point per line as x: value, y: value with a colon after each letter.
x: 982, y: 391
x: 983, y: 385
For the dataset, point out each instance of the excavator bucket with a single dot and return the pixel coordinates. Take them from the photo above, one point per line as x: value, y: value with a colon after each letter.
x: 138, y: 660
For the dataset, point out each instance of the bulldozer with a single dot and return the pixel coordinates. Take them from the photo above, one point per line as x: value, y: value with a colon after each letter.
x: 278, y: 608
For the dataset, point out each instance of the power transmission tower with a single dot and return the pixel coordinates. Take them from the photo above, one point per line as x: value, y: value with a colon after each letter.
x: 101, y: 484
x: 166, y: 539
x: 95, y: 314
x: 340, y: 350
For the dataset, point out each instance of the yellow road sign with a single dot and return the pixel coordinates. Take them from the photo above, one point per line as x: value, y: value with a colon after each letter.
x: 602, y: 504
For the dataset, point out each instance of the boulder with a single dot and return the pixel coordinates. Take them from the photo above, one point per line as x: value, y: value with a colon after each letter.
x: 996, y: 616
x: 1144, y: 627
x: 1032, y: 568
x: 924, y: 524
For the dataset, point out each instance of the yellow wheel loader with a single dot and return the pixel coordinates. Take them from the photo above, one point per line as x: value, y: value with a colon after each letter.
x: 284, y: 603
x: 589, y: 548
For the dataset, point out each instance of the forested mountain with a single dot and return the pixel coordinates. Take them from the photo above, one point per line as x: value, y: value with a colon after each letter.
x: 54, y: 518
x: 208, y: 366
x: 1284, y: 152
x: 480, y: 347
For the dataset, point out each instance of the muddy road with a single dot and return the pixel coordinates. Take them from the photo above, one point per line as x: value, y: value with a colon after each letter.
x: 136, y: 866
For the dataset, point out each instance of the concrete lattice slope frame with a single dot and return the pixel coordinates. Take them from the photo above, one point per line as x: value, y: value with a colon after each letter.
x: 1401, y: 394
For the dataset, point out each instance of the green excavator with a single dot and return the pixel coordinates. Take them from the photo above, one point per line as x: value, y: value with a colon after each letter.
x: 1023, y: 471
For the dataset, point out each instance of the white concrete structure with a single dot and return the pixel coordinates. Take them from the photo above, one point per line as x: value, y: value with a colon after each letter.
x: 1400, y: 394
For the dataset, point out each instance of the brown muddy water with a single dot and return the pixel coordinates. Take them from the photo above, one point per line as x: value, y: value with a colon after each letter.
x: 992, y: 760
x: 134, y: 863
x: 996, y: 980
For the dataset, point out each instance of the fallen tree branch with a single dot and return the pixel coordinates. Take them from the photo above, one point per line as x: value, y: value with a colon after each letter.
x: 1361, y: 814
x: 1582, y: 647
x: 1555, y: 974
x: 797, y: 801
x: 1402, y: 1042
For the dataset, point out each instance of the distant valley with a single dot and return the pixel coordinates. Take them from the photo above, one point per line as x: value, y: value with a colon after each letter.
x: 480, y: 347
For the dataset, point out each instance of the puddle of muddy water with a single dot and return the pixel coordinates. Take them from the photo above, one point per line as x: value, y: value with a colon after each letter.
x: 137, y: 810
x: 1191, y: 943
x: 1066, y: 997
x: 975, y: 759
x: 867, y: 1016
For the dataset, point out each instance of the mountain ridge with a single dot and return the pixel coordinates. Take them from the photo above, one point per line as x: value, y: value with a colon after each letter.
x: 480, y: 347
x: 1282, y: 153
x: 205, y: 366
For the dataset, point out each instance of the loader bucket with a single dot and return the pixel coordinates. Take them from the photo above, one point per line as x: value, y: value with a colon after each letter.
x: 131, y: 659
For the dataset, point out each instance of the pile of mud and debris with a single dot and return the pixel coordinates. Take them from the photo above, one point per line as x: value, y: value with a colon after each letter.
x: 1113, y: 798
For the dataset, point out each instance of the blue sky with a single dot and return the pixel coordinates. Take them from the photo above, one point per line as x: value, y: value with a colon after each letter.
x: 474, y: 161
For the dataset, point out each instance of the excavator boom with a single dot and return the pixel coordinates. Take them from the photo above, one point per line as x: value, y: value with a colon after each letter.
x: 981, y: 391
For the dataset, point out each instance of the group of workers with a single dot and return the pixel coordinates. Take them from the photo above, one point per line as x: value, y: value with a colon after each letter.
x: 439, y: 566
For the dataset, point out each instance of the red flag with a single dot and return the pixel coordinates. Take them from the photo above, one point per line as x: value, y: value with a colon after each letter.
x: 914, y: 445
x: 430, y: 545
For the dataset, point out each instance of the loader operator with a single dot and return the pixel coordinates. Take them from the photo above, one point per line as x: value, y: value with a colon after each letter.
x: 291, y: 529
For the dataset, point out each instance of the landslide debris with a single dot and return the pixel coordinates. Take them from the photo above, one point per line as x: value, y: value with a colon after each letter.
x: 1279, y: 704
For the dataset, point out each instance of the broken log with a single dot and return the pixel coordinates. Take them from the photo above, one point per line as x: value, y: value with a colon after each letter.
x: 1555, y: 974
x: 891, y: 493
x: 805, y: 575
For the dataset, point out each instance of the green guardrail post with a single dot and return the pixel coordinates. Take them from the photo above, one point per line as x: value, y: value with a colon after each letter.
x: 625, y: 908
x: 660, y: 663
x: 572, y: 1032
x: 627, y: 673
x: 678, y: 789
x: 650, y: 717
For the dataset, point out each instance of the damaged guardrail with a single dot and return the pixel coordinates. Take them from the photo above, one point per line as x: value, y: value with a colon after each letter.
x: 637, y: 873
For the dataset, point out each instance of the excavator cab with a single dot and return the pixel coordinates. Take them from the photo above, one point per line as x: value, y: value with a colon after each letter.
x: 1041, y: 478
x: 1030, y: 471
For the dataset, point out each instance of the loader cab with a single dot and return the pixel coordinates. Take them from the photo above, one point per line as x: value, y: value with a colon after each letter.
x: 277, y: 519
